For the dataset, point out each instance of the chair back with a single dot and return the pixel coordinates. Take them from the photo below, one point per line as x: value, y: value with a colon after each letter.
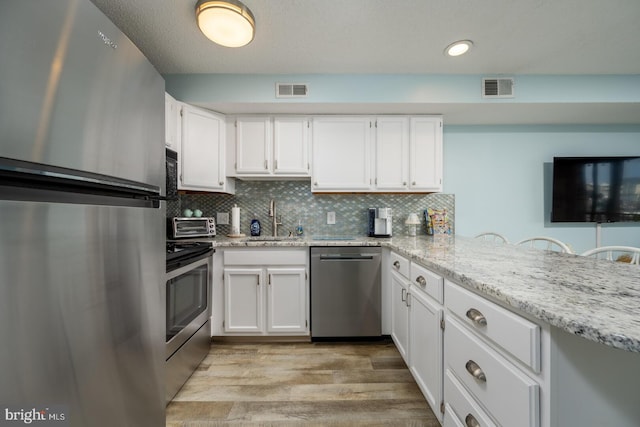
x: 547, y: 243
x: 627, y: 254
x: 490, y: 236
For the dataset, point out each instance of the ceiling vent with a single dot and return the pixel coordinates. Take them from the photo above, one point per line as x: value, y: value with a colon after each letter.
x: 291, y: 90
x: 497, y: 88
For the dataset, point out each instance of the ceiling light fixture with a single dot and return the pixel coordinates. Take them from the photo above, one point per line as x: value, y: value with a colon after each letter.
x: 458, y: 48
x: 228, y: 23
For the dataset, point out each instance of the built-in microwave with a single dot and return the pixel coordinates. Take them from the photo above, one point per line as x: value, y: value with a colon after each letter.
x: 179, y: 228
x: 171, y: 163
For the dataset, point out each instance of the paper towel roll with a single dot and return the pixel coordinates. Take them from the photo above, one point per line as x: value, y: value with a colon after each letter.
x: 235, y: 220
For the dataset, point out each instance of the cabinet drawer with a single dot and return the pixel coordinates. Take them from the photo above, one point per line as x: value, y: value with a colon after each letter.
x: 265, y: 257
x: 430, y: 283
x: 510, y: 396
x: 516, y: 335
x: 461, y: 405
x: 399, y: 264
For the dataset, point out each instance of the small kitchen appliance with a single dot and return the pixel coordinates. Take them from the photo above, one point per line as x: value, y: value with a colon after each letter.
x: 183, y: 227
x: 380, y: 222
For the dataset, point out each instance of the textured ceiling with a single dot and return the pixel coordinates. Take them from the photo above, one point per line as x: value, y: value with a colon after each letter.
x: 511, y: 37
x: 394, y: 36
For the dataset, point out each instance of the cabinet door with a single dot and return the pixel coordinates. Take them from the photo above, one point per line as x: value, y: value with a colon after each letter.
x: 171, y: 122
x: 425, y: 159
x: 400, y: 315
x: 253, y: 139
x: 392, y: 153
x: 286, y: 300
x: 291, y: 146
x: 341, y: 154
x: 425, y: 337
x: 202, y: 154
x: 243, y: 300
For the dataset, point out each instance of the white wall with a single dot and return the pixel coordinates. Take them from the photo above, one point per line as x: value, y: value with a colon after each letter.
x: 498, y: 175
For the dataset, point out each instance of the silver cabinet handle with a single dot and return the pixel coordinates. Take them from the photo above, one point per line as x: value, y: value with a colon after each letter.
x: 408, y: 303
x: 476, y: 372
x: 421, y: 281
x: 396, y: 264
x: 404, y: 295
x: 221, y: 183
x: 266, y: 165
x: 476, y: 317
x: 471, y: 421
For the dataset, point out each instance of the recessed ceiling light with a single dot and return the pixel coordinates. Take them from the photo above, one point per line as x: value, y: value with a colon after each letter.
x: 458, y: 48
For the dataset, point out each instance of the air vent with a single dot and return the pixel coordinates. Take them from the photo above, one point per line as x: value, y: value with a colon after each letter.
x: 291, y: 90
x: 497, y: 88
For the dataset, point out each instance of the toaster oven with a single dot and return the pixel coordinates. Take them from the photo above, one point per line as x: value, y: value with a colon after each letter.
x: 179, y: 228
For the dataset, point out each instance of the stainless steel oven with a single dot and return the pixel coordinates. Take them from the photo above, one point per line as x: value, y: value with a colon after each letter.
x: 188, y: 331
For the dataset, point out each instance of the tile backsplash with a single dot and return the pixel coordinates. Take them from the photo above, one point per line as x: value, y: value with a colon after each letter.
x: 295, y: 202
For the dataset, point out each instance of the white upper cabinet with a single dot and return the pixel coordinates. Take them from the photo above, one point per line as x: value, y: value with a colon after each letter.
x: 425, y: 159
x: 291, y: 146
x: 270, y: 147
x: 341, y: 155
x: 392, y: 153
x: 397, y: 154
x: 172, y: 122
x: 202, y: 153
x: 253, y: 145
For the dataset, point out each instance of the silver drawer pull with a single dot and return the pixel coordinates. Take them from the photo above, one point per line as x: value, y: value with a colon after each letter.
x: 476, y: 372
x: 396, y: 264
x: 471, y: 421
x: 476, y: 317
x: 421, y: 281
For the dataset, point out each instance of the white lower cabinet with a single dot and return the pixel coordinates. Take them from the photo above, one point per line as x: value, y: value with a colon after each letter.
x: 509, y: 395
x: 492, y: 363
x: 244, y: 300
x: 425, y: 347
x: 400, y: 315
x: 286, y: 300
x: 460, y: 408
x: 264, y: 292
x: 416, y: 327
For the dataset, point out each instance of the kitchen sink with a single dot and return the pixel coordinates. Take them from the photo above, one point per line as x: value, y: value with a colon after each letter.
x: 272, y: 239
x: 333, y: 238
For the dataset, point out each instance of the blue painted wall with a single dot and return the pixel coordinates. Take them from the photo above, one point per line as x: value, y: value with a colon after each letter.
x: 501, y: 178
x: 500, y: 175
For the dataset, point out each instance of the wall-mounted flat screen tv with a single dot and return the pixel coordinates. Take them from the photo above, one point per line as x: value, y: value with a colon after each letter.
x: 596, y: 189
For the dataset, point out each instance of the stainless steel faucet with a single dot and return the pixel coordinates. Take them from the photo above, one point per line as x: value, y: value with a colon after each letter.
x: 272, y: 213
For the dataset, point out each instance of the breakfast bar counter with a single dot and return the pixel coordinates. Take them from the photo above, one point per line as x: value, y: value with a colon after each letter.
x: 594, y: 299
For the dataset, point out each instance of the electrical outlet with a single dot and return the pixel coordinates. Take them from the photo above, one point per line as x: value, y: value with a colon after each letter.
x: 222, y: 218
x: 331, y: 217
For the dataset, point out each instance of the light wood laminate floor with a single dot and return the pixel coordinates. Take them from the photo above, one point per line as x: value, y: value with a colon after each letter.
x: 310, y: 384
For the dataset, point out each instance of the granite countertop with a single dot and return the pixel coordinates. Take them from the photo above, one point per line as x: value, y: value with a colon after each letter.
x: 595, y: 299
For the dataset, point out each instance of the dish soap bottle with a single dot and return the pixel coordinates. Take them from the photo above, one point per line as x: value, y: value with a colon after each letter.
x: 255, y: 226
x: 299, y: 230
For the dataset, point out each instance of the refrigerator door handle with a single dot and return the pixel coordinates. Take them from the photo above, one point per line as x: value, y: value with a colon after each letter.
x: 20, y: 170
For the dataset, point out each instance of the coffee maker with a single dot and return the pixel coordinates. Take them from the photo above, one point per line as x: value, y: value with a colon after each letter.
x: 380, y: 222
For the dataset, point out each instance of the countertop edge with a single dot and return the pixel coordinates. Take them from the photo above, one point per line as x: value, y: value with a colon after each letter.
x: 573, y: 326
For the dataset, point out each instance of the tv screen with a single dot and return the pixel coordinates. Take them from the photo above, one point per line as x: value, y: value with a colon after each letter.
x: 596, y: 189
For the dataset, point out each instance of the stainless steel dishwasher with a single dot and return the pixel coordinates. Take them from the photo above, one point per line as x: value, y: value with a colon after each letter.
x: 345, y: 292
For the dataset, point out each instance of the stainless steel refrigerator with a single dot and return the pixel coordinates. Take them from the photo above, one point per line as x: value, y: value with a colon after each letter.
x: 82, y: 223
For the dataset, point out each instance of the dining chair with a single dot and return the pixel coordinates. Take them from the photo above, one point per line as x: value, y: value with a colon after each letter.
x: 628, y: 254
x: 490, y: 236
x: 547, y: 243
